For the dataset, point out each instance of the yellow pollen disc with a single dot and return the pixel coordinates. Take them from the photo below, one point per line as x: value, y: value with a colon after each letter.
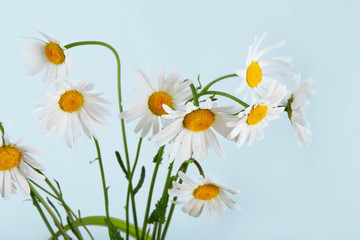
x: 206, y: 192
x: 9, y: 157
x: 71, y: 101
x: 253, y: 74
x: 199, y: 120
x: 54, y: 53
x: 156, y: 100
x: 257, y: 114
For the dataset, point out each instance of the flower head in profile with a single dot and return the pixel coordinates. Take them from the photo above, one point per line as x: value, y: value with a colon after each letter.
x: 295, y: 108
x: 250, y: 122
x: 71, y: 108
x: 149, y: 107
x: 259, y: 73
x: 192, y: 130
x: 16, y: 166
x: 204, y: 194
x: 49, y: 55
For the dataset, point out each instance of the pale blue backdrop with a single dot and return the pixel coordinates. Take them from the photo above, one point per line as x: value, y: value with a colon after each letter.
x: 286, y: 192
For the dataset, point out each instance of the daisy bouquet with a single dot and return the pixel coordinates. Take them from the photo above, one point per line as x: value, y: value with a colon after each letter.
x: 170, y: 110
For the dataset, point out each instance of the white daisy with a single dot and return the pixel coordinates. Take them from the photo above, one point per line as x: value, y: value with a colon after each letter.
x: 257, y: 76
x: 49, y: 55
x: 295, y: 108
x: 70, y: 108
x: 192, y: 130
x: 205, y: 194
x: 253, y: 119
x: 16, y: 166
x: 149, y: 108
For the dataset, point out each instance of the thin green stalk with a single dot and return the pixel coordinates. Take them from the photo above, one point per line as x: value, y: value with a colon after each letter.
x: 48, y: 209
x: 225, y: 95
x: 195, y: 95
x: 36, y: 204
x: 184, y: 169
x: 215, y: 81
x: 158, y: 161
x: 44, y: 190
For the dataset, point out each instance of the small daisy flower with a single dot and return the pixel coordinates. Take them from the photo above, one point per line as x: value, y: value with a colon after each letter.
x: 253, y: 119
x: 192, y: 130
x: 16, y: 166
x: 257, y: 76
x: 205, y: 194
x: 70, y: 108
x: 295, y: 108
x: 49, y: 55
x: 149, y: 108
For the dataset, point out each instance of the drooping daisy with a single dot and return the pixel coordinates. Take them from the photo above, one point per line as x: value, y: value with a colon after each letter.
x: 295, y: 108
x: 16, y: 166
x: 192, y: 130
x: 205, y: 194
x: 250, y: 122
x: 149, y: 108
x: 257, y: 77
x: 70, y: 108
x: 50, y: 55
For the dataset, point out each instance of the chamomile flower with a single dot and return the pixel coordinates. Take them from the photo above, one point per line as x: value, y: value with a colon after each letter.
x: 70, y: 108
x: 250, y: 122
x: 295, y: 108
x: 192, y: 130
x: 204, y: 194
x: 257, y: 76
x: 16, y: 166
x: 50, y: 55
x: 149, y: 108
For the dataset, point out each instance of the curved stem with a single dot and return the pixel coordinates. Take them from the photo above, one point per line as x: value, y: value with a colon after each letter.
x: 217, y: 80
x: 195, y: 95
x: 225, y: 95
x: 100, y: 221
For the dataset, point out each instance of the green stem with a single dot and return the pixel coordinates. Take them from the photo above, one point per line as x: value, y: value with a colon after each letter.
x: 215, y: 81
x: 36, y: 204
x: 195, y: 95
x: 184, y: 169
x: 225, y: 95
x: 100, y: 221
x: 158, y: 161
x: 48, y: 209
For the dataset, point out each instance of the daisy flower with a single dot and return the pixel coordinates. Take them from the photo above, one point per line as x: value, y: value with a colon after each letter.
x: 149, y: 108
x: 253, y: 119
x: 295, y: 108
x: 50, y: 55
x: 205, y: 194
x: 70, y: 108
x: 16, y: 166
x: 257, y: 76
x: 192, y: 130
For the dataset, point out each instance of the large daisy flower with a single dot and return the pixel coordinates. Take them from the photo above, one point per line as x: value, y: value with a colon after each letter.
x: 253, y: 119
x: 205, y: 194
x: 16, y: 166
x: 295, y: 108
x: 192, y: 130
x: 49, y: 55
x: 149, y: 108
x: 259, y: 73
x: 70, y: 108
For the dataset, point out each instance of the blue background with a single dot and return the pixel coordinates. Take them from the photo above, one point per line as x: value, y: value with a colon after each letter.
x: 286, y: 192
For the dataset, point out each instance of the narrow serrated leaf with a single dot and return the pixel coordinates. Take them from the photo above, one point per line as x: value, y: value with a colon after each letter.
x: 57, y: 212
x: 73, y: 229
x: 58, y: 185
x: 141, y: 180
x: 113, y: 232
x: 121, y: 163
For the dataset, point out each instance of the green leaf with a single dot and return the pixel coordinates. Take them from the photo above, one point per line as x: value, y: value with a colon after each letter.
x: 2, y: 129
x: 158, y: 155
x: 141, y: 180
x: 113, y: 232
x: 57, y: 212
x: 160, y: 210
x: 122, y: 165
x: 72, y: 228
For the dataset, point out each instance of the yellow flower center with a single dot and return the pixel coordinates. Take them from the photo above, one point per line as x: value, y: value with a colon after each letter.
x: 9, y: 157
x: 54, y: 53
x: 253, y: 74
x: 156, y: 101
x: 199, y: 120
x: 257, y: 114
x: 206, y: 192
x: 71, y: 101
